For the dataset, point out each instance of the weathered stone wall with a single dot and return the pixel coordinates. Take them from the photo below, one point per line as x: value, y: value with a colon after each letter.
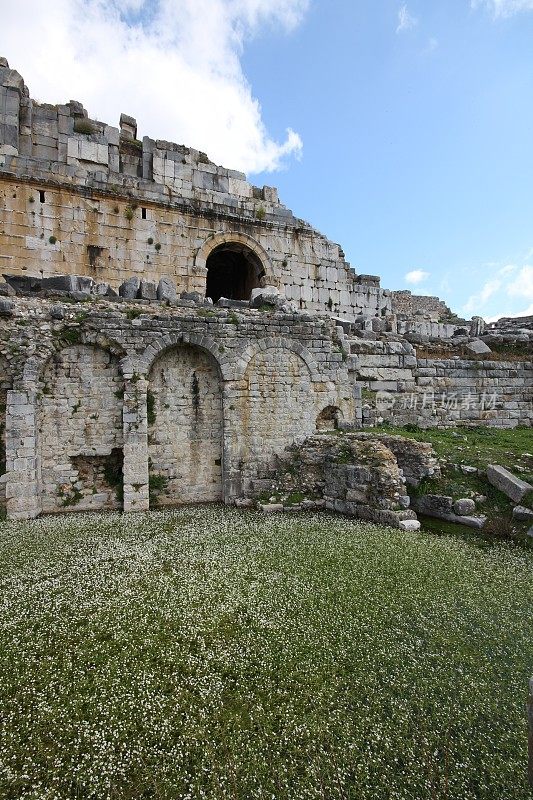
x: 278, y: 387
x: 405, y: 302
x: 356, y: 474
x: 79, y: 429
x: 402, y: 388
x: 185, y: 432
x: 5, y: 385
x: 83, y: 198
x: 110, y: 400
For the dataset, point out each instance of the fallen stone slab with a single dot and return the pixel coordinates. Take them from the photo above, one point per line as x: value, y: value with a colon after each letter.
x: 506, y: 482
x: 468, y: 522
x: 166, y: 290
x: 148, y: 290
x: 478, y: 347
x: 23, y: 284
x: 129, y: 288
x: 522, y: 514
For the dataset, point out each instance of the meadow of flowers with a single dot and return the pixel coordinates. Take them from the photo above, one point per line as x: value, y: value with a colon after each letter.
x: 215, y: 653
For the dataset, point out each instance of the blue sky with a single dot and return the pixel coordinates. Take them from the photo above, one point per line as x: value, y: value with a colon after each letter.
x: 404, y: 131
x: 417, y: 142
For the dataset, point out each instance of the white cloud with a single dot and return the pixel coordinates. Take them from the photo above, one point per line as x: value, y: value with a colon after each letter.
x: 526, y: 312
x: 504, y: 8
x: 173, y: 64
x: 511, y: 281
x: 476, y: 302
x: 508, y: 269
x: 406, y: 21
x: 522, y: 285
x: 416, y: 276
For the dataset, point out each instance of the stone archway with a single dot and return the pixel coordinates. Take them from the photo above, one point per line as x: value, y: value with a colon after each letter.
x: 233, y: 271
x: 279, y: 407
x: 80, y: 430
x: 185, y: 427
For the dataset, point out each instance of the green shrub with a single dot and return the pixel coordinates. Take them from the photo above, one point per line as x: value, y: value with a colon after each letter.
x: 84, y: 125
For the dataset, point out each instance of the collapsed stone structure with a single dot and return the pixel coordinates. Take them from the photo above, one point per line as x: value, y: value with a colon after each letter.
x: 168, y: 329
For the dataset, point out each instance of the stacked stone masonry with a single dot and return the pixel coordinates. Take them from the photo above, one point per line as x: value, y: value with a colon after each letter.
x: 84, y: 198
x: 116, y: 405
x: 167, y: 329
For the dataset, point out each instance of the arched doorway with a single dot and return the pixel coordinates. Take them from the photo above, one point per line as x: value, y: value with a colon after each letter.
x: 185, y: 426
x: 233, y: 270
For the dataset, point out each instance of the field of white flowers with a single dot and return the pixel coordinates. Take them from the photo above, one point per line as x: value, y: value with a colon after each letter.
x: 212, y: 653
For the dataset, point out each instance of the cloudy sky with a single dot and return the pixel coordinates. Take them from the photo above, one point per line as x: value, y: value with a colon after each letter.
x: 402, y: 130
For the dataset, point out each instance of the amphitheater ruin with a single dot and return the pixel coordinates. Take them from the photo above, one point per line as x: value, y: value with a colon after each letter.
x: 166, y: 327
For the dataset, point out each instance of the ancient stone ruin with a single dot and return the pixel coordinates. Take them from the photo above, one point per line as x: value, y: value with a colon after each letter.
x: 167, y: 330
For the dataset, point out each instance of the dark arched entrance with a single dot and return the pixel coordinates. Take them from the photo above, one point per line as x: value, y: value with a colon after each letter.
x: 233, y: 270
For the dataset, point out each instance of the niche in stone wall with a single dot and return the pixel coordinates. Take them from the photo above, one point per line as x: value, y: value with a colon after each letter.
x: 279, y: 406
x: 80, y: 431
x: 329, y: 419
x: 233, y: 270
x: 185, y: 427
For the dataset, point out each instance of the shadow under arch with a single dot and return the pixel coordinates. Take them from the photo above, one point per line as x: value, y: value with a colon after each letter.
x: 234, y: 265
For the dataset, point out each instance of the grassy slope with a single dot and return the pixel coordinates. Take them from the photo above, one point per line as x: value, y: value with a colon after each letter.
x: 212, y: 653
x: 478, y: 447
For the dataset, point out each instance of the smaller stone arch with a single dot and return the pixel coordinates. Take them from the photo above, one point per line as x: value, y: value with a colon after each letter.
x: 35, y: 365
x: 79, y: 426
x: 272, y: 343
x: 185, y: 426
x: 329, y: 419
x: 159, y: 346
x: 234, y: 265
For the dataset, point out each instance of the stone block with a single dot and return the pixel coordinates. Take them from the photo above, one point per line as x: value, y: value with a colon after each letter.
x: 515, y: 488
x: 148, y: 290
x: 166, y: 289
x: 523, y: 514
x: 62, y: 283
x: 464, y: 507
x: 478, y: 347
x: 129, y: 288
x: 409, y: 525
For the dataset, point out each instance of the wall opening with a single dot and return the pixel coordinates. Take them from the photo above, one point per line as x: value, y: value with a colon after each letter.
x: 233, y: 270
x: 328, y: 419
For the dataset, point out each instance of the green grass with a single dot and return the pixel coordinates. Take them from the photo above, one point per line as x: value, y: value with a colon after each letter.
x: 478, y: 447
x: 211, y: 653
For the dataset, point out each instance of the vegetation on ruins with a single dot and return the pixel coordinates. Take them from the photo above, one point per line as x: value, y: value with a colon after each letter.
x: 84, y: 125
x: 214, y: 653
